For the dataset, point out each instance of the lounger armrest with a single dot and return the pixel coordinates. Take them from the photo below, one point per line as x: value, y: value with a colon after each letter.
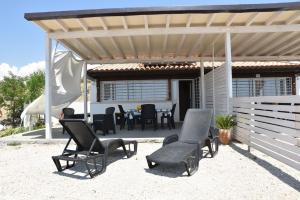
x: 170, y: 139
x: 213, y: 132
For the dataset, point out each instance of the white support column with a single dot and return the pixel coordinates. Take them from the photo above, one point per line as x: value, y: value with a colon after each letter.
x: 85, y: 91
x: 48, y: 89
x: 228, y: 64
x: 203, y: 100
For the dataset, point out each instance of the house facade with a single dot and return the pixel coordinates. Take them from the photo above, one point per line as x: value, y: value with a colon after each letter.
x: 134, y: 84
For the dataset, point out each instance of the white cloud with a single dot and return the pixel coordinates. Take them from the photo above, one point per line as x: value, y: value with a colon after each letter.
x: 21, y: 71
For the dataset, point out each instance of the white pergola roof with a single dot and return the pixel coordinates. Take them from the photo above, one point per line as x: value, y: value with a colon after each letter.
x: 258, y: 32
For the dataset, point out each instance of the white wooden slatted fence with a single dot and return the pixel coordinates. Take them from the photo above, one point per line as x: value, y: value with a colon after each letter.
x: 270, y: 124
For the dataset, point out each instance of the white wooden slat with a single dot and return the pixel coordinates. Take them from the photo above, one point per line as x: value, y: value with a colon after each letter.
x: 278, y: 143
x: 273, y: 99
x: 282, y: 115
x: 277, y: 156
x: 274, y: 127
x: 288, y: 108
x: 280, y: 151
x: 272, y: 134
x: 280, y: 122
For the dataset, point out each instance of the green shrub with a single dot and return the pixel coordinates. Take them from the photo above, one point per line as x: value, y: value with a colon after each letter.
x: 225, y: 121
x: 12, y: 131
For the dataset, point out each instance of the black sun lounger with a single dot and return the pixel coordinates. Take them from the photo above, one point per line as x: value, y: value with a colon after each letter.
x: 185, y: 149
x: 89, y: 149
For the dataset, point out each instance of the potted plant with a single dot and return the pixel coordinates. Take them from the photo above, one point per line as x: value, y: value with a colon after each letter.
x: 224, y: 124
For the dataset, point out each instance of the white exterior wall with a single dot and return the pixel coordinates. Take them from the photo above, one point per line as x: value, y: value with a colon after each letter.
x: 99, y: 107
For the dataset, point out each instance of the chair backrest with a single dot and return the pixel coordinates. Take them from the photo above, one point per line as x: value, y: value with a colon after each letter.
x: 122, y: 111
x: 195, y: 126
x: 82, y: 134
x: 173, y: 109
x: 148, y: 111
x: 68, y: 112
x: 110, y: 110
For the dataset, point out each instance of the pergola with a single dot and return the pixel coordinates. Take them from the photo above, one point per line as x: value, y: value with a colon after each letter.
x: 173, y: 34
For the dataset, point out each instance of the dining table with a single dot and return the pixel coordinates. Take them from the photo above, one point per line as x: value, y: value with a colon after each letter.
x: 133, y: 116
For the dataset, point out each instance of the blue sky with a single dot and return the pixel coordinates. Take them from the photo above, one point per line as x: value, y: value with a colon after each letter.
x: 22, y: 42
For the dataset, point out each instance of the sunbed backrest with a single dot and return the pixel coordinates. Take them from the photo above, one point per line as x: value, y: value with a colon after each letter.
x: 196, y: 126
x: 82, y: 134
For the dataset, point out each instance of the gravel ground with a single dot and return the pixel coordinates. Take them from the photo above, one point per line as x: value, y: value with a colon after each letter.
x: 27, y: 172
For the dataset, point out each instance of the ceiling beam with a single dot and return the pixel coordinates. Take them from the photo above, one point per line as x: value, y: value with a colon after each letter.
x: 102, y: 23
x: 271, y: 19
x: 146, y: 22
x: 245, y: 44
x: 95, y: 41
x: 131, y: 43
x: 77, y: 51
x: 230, y: 19
x: 293, y: 18
x: 41, y: 24
x: 210, y: 19
x: 195, y: 59
x: 286, y: 47
x: 214, y: 40
x: 221, y: 51
x: 88, y: 49
x: 82, y: 24
x: 174, y: 30
x: 279, y: 43
x: 165, y: 43
x: 102, y: 48
x: 251, y: 19
x: 292, y: 50
x: 195, y: 46
x: 112, y: 40
x: 266, y: 43
x: 183, y: 37
x: 62, y: 25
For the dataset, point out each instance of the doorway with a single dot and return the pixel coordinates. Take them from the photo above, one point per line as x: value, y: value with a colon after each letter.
x: 185, y: 97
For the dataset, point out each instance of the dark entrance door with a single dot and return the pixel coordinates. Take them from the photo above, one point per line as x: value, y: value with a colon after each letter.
x: 185, y: 97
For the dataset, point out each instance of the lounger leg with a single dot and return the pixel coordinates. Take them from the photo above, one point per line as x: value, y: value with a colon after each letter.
x: 57, y: 164
x: 150, y: 164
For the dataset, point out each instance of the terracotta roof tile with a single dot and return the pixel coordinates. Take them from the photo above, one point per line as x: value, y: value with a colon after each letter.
x: 148, y: 67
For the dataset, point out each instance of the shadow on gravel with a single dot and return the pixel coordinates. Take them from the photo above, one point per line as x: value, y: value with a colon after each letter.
x: 275, y: 171
x: 80, y: 172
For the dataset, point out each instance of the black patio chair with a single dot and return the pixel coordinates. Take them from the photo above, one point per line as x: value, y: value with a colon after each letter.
x: 170, y: 118
x: 105, y: 122
x: 122, y: 117
x: 89, y: 149
x: 185, y: 149
x: 68, y: 113
x: 148, y: 114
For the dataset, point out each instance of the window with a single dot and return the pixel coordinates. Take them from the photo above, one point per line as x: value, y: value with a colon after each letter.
x: 135, y: 90
x: 248, y: 87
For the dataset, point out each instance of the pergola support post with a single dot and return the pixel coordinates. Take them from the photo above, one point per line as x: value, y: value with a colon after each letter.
x: 203, y: 99
x: 85, y: 91
x: 228, y: 65
x: 48, y: 89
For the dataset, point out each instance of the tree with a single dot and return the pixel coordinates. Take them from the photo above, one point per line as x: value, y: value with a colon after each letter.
x: 34, y: 86
x: 12, y: 96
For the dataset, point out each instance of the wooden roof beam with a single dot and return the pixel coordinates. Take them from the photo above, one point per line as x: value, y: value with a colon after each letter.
x: 62, y: 25
x: 251, y: 19
x: 131, y: 43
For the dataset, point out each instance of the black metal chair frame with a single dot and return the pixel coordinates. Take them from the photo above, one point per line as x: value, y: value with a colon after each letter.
x: 123, y: 117
x: 170, y: 118
x: 84, y: 155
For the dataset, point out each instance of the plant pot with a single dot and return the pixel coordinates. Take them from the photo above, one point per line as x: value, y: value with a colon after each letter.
x: 225, y: 136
